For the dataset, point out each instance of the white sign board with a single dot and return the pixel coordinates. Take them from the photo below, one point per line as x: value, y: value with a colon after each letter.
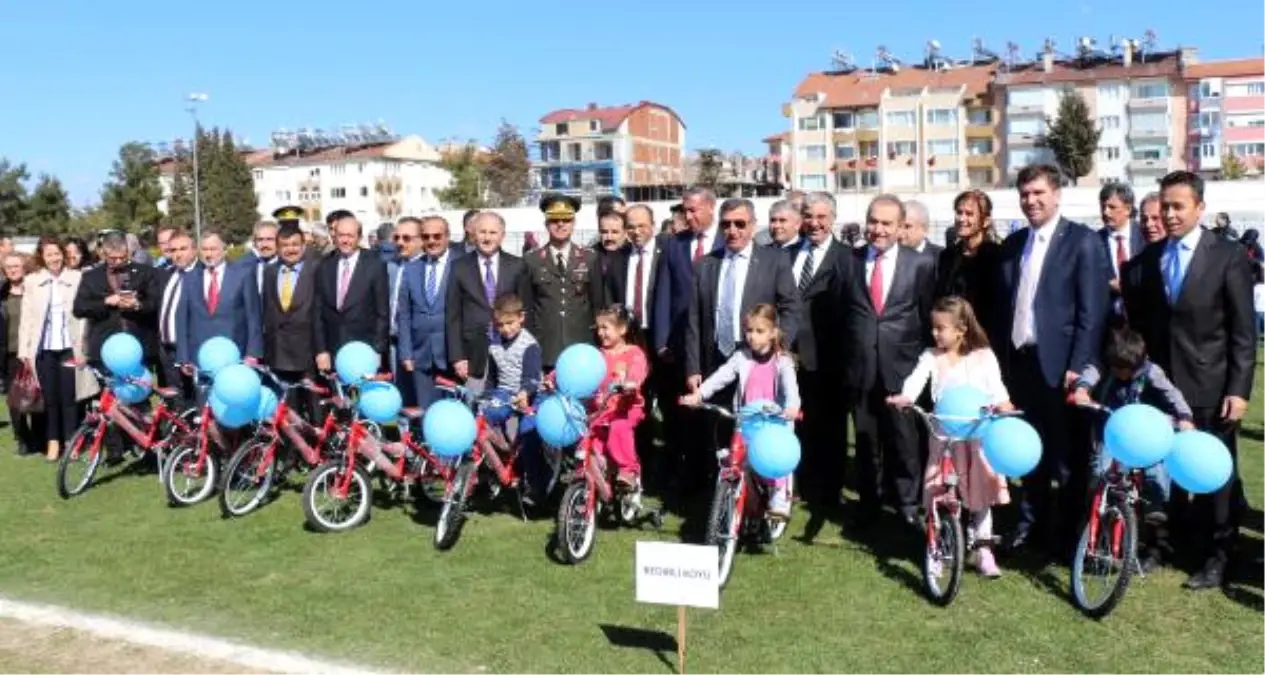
x: 683, y: 575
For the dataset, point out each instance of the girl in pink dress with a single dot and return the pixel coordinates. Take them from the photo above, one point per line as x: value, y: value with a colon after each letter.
x: 962, y: 357
x: 626, y: 366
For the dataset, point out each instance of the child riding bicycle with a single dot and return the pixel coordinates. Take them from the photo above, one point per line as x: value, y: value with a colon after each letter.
x: 514, y: 376
x: 626, y: 369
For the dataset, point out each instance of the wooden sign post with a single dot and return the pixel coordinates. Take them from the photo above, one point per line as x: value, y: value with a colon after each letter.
x: 680, y: 640
x: 683, y: 575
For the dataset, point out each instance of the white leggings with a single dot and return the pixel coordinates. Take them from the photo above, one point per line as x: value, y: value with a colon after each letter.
x: 982, y: 524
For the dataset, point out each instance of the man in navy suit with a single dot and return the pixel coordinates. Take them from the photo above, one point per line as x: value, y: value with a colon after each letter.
x: 1121, y: 236
x: 420, y: 315
x: 1052, y: 308
x: 219, y: 299
x: 264, y: 254
x: 353, y: 299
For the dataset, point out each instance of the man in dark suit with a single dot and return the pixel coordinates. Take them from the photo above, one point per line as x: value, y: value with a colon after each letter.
x: 727, y: 285
x: 475, y: 282
x: 264, y: 253
x: 422, y: 309
x: 1121, y: 237
x: 404, y: 241
x: 182, y: 259
x: 815, y: 261
x: 884, y: 304
x: 219, y: 299
x: 1190, y: 297
x: 120, y: 296
x: 786, y: 227
x: 913, y: 234
x: 1052, y: 307
x: 566, y: 288
x: 611, y: 249
x: 289, y: 298
x: 352, y: 296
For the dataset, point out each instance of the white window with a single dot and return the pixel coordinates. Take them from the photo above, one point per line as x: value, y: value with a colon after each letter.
x: 942, y: 116
x: 1151, y: 90
x: 1209, y: 120
x: 812, y: 181
x: 338, y: 170
x: 979, y: 177
x: 1150, y: 151
x: 845, y: 119
x: 1026, y: 97
x: 846, y: 180
x: 867, y: 119
x: 942, y: 147
x: 979, y: 146
x: 1206, y: 90
x: 869, y: 179
x: 902, y: 148
x: 594, y: 125
x: 1149, y: 121
x: 364, y: 191
x: 1208, y: 150
x: 944, y: 177
x: 869, y: 149
x: 1248, y: 120
x: 1023, y: 157
x: 314, y: 173
x: 337, y: 193
x: 1113, y: 91
x: 560, y: 129
x: 979, y: 116
x: 1109, y: 153
x: 1248, y: 149
x: 812, y: 123
x: 360, y: 167
x: 1245, y: 89
x: 815, y: 151
x: 901, y: 118
x: 1027, y: 125
x: 258, y: 174
x: 845, y: 151
x: 1110, y: 121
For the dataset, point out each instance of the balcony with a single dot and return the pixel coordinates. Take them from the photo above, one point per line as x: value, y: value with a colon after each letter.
x: 1149, y: 103
x: 867, y: 134
x: 981, y: 130
x: 1136, y: 134
x: 985, y: 160
x: 845, y: 134
x: 1014, y: 110
x: 1022, y: 140
x: 1148, y: 165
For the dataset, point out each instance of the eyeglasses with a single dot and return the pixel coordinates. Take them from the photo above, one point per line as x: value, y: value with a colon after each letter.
x: 402, y: 237
x: 430, y: 237
x: 726, y: 224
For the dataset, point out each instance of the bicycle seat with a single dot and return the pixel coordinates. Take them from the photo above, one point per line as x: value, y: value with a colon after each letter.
x: 167, y: 392
x: 411, y: 413
x: 445, y: 382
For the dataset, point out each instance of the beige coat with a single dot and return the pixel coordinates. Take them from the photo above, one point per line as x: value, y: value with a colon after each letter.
x: 35, y: 297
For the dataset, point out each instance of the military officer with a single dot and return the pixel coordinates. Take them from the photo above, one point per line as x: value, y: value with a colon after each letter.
x: 564, y: 283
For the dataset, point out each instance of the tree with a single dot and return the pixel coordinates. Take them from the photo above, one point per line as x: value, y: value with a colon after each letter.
x: 1072, y: 136
x: 88, y: 221
x: 48, y: 209
x: 131, y: 196
x: 508, y: 170
x: 1232, y: 167
x: 466, y: 189
x: 241, y: 204
x: 12, y: 196
x: 180, y: 197
x: 711, y: 166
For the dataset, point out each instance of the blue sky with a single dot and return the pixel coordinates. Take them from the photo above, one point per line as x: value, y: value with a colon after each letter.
x: 79, y: 78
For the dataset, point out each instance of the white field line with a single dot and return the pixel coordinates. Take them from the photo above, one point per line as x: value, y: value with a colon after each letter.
x: 198, y: 646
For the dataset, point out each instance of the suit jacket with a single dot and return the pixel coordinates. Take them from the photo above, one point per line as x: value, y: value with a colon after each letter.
x: 104, y: 321
x: 561, y: 308
x: 1071, y: 302
x: 612, y: 271
x: 1206, y: 340
x: 421, y: 322
x: 237, y: 316
x: 818, y: 306
x: 768, y: 282
x: 38, y: 288
x: 366, y: 311
x: 1137, y: 241
x: 618, y: 289
x: 259, y: 265
x: 932, y: 249
x: 882, y: 349
x: 290, y: 335
x: 467, y: 311
x: 674, y: 291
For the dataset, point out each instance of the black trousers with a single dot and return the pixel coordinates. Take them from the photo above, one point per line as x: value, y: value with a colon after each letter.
x: 170, y: 376
x: 1216, y: 516
x: 300, y: 399
x: 886, y: 446
x: 28, y: 430
x: 58, y: 385
x: 823, y: 433
x: 1064, y: 455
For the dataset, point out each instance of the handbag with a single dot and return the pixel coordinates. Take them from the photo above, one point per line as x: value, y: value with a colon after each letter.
x: 25, y: 396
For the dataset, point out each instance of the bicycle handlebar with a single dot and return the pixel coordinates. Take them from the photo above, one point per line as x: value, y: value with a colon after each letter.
x: 770, y: 411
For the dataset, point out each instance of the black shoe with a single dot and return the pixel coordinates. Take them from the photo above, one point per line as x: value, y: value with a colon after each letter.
x: 1018, y: 543
x: 1211, y: 576
x: 813, y: 528
x: 909, y: 514
x: 1149, y: 563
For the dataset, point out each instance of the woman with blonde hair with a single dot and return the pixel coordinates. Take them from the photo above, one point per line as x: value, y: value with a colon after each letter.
x: 968, y: 268
x: 49, y: 335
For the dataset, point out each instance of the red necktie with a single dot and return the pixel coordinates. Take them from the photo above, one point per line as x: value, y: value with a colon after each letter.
x: 876, y: 285
x: 1121, y: 256
x: 213, y: 293
x: 698, y: 248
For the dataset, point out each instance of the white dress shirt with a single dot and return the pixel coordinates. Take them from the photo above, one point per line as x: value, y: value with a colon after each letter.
x: 57, y: 325
x: 565, y: 250
x: 889, y: 267
x: 219, y: 279
x: 801, y: 256
x: 1124, y: 233
x: 630, y: 281
x: 260, y: 266
x: 740, y: 262
x: 709, y: 240
x: 171, y: 302
x: 1023, y: 330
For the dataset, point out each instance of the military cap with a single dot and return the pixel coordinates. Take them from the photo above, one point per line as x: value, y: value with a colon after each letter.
x: 288, y: 213
x: 559, y: 207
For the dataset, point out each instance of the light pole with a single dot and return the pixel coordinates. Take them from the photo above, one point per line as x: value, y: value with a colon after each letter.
x: 194, y: 99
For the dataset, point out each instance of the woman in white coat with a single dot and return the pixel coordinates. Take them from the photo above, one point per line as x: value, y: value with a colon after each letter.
x: 49, y: 336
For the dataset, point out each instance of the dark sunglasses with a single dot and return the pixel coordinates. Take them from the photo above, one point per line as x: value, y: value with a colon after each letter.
x: 726, y: 224
x: 430, y: 237
x: 402, y: 237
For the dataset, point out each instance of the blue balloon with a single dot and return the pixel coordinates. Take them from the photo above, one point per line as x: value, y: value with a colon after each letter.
x: 1011, y: 446
x: 1199, y: 462
x: 1138, y: 436
x: 132, y: 392
x: 239, y: 387
x: 380, y: 402
x: 754, y: 419
x: 959, y: 409
x: 560, y: 421
x: 268, y: 402
x: 355, y: 361
x: 580, y: 370
x: 448, y: 428
x: 230, y: 417
x: 217, y: 353
x: 773, y: 451
x: 123, y: 355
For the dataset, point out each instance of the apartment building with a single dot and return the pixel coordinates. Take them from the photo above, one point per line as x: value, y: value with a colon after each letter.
x: 1138, y: 99
x: 635, y: 151
x: 1226, y: 114
x: 778, y: 158
x: 895, y: 128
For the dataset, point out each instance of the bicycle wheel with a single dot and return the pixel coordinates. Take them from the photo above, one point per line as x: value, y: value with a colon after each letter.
x: 945, y: 556
x: 79, y: 464
x: 431, y: 485
x: 1103, y: 567
x: 248, y: 477
x: 190, y: 478
x: 576, y: 530
x: 452, y: 516
x: 324, y: 509
x: 724, y: 525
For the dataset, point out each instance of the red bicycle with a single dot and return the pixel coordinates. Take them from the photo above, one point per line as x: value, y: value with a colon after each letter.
x: 254, y: 469
x: 592, y: 491
x: 192, y: 473
x: 154, y: 432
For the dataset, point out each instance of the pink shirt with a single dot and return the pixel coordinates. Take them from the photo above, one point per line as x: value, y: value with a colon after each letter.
x: 761, y: 382
x: 632, y: 362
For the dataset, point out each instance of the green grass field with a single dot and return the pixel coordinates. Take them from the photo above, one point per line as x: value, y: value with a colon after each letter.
x: 382, y: 596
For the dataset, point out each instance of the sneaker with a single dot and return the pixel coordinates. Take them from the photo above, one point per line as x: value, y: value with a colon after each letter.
x: 779, y: 505
x: 627, y: 480
x: 986, y: 564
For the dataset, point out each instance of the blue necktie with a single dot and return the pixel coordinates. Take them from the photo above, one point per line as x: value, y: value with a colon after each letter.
x: 431, y: 264
x: 725, y: 339
x: 1174, y: 275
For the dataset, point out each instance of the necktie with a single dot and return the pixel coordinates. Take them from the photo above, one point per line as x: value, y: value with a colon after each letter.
x: 1173, y: 273
x: 638, y: 291
x: 431, y: 270
x: 344, y: 280
x: 1121, y: 256
x: 1019, y: 334
x: 876, y: 285
x: 170, y: 310
x: 698, y: 248
x: 806, y: 274
x: 489, y: 294
x: 725, y: 312
x: 287, y: 287
x: 213, y: 293
x: 559, y: 263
